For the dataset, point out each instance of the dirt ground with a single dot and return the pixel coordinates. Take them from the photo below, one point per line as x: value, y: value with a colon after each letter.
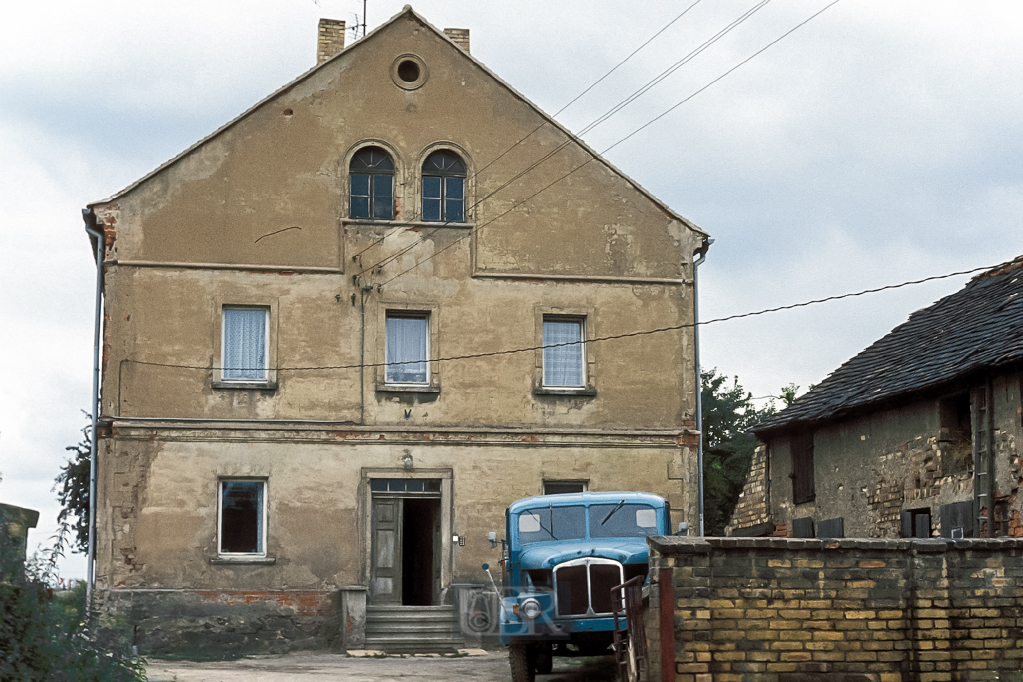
x: 320, y: 667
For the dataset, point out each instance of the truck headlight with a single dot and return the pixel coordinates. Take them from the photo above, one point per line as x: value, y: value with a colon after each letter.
x: 530, y: 609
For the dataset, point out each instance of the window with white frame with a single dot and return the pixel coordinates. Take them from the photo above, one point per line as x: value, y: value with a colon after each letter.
x: 242, y: 517
x: 244, y: 344
x: 407, y: 348
x: 563, y: 353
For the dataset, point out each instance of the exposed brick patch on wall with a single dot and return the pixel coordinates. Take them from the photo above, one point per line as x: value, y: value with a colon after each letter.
x: 751, y: 509
x: 885, y: 504
x: 305, y: 603
x: 913, y: 475
x: 774, y: 610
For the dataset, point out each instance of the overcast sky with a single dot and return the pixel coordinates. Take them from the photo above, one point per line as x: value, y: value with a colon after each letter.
x: 879, y: 143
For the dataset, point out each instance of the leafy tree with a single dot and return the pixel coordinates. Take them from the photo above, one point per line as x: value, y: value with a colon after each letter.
x: 728, y: 415
x: 72, y: 488
x: 788, y: 394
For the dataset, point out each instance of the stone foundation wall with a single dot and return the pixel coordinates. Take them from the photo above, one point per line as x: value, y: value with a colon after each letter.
x: 226, y: 623
x: 781, y: 610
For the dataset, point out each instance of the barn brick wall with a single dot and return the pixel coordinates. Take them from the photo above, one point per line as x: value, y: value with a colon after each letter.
x: 751, y: 508
x: 783, y: 610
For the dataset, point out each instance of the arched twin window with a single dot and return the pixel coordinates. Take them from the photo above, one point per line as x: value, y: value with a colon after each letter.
x: 372, y: 186
x: 444, y: 188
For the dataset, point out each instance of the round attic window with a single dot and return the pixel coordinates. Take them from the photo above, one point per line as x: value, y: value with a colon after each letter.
x: 408, y: 72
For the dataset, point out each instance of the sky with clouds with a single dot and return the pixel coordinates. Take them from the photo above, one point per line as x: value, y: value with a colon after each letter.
x: 881, y: 142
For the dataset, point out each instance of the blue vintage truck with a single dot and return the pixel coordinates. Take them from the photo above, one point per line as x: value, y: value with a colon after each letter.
x: 564, y: 554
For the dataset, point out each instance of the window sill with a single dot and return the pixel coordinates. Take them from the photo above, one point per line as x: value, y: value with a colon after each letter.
x: 406, y: 388
x: 246, y: 385
x: 257, y: 560
x: 407, y: 223
x: 569, y: 391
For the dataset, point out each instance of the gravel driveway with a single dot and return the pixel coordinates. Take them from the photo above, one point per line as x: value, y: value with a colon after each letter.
x: 320, y: 667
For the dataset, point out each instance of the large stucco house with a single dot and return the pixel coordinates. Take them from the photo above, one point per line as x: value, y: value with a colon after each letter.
x: 309, y: 425
x: 916, y: 436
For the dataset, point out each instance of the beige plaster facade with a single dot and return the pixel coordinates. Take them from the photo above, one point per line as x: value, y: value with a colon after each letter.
x: 256, y: 216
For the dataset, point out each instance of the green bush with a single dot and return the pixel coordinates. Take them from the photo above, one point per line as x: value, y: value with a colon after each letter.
x: 45, y: 635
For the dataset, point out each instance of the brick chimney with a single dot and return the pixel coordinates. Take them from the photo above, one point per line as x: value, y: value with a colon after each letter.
x: 330, y: 39
x: 459, y: 36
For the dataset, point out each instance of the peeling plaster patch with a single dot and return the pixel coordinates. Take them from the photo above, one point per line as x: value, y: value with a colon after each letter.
x: 204, y: 161
x: 679, y: 232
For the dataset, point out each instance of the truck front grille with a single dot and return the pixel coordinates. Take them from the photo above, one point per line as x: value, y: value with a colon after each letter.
x: 573, y: 592
x: 602, y: 578
x: 583, y: 586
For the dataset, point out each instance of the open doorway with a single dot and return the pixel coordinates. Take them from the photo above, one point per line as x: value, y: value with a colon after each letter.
x: 406, y: 542
x: 420, y: 572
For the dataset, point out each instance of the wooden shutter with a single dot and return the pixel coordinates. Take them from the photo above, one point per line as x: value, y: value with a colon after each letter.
x: 801, y: 447
x: 907, y: 524
x: 831, y: 528
x: 922, y: 524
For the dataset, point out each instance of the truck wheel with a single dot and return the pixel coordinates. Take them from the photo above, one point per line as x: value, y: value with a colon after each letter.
x: 632, y: 665
x: 544, y: 660
x: 520, y: 657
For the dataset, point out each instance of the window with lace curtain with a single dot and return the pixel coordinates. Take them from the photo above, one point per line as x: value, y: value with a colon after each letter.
x: 407, y: 348
x: 564, y: 353
x: 244, y: 344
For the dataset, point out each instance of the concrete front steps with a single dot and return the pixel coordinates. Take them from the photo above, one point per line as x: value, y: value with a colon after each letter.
x: 413, y: 629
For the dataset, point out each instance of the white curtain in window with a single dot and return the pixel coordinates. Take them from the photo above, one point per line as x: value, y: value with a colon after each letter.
x: 245, y: 343
x: 563, y: 365
x: 406, y: 344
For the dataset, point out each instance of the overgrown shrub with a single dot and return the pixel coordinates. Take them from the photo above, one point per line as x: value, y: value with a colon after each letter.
x: 46, y: 636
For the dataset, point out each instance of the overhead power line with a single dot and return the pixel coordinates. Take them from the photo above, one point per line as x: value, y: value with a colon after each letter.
x: 612, y: 337
x: 482, y: 226
x: 577, y: 137
x: 546, y: 122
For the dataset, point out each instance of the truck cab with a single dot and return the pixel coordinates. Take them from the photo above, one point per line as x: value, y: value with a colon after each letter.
x: 564, y: 554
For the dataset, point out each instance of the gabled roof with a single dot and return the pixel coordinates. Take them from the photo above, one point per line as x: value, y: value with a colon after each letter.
x: 406, y: 11
x: 978, y: 327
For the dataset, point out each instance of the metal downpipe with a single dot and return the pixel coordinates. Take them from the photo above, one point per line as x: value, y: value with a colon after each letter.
x: 90, y: 227
x: 702, y: 251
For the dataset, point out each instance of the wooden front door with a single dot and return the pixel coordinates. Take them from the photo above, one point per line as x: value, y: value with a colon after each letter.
x: 385, y: 577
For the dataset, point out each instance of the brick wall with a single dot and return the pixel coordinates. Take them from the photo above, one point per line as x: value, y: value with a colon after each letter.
x: 781, y: 610
x: 459, y: 36
x: 751, y: 509
x: 330, y: 39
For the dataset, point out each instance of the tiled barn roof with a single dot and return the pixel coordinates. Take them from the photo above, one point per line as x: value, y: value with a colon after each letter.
x: 979, y: 326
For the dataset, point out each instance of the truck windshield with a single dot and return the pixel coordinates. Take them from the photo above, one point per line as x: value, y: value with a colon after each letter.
x: 537, y: 525
x: 622, y: 520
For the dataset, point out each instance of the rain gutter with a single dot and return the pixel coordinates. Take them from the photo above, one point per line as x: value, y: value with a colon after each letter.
x: 98, y: 237
x: 702, y: 253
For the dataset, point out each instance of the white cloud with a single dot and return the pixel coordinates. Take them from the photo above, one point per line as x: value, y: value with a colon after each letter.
x: 876, y: 144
